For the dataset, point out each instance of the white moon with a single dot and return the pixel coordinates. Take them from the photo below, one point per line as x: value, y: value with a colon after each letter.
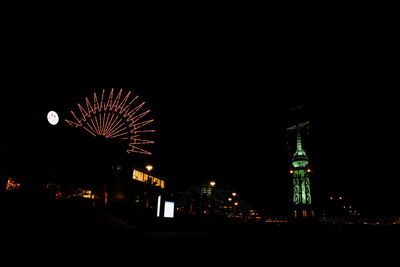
x: 52, y: 117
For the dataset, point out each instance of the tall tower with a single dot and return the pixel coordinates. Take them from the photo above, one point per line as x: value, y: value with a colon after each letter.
x: 300, y: 172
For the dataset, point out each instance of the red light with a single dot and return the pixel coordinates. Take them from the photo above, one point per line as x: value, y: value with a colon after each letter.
x: 114, y: 118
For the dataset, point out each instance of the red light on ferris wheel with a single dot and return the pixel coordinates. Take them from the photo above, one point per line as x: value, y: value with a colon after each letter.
x: 114, y: 118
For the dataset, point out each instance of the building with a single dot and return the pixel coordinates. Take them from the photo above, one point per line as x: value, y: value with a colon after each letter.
x: 12, y: 185
x: 132, y: 189
x: 146, y: 189
x: 338, y: 209
x: 217, y: 201
x: 300, y: 172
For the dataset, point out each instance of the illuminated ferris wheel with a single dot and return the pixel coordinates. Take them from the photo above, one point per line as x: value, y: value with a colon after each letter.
x: 115, y: 117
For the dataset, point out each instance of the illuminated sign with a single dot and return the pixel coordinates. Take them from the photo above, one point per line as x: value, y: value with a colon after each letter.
x: 169, y: 208
x: 146, y: 178
x: 158, y: 206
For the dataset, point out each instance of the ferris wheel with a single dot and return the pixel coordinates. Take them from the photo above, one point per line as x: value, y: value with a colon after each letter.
x: 115, y: 117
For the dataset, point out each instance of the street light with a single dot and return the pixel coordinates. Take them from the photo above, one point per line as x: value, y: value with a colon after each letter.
x: 230, y: 206
x: 234, y: 209
x: 212, y: 183
x: 149, y: 167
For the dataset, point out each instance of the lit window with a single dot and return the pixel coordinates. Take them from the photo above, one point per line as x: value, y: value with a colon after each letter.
x: 304, y: 213
x: 12, y: 185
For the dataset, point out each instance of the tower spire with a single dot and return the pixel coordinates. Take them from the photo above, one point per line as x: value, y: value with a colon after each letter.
x: 300, y: 158
x: 298, y: 133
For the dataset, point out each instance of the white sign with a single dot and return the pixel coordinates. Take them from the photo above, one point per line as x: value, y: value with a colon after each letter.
x: 169, y: 208
x: 158, y: 206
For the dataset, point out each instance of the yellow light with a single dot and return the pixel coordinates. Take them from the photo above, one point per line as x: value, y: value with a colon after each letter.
x: 236, y: 203
x: 308, y: 170
x: 230, y: 199
x: 234, y: 194
x: 149, y: 168
x: 291, y: 171
x: 212, y: 183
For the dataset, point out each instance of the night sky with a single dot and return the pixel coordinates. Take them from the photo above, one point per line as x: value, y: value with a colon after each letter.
x: 221, y: 106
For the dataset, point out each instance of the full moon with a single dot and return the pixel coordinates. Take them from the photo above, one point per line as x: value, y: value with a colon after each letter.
x: 52, y: 117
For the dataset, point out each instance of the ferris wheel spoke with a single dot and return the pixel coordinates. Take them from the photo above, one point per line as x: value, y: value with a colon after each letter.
x: 117, y: 132
x: 119, y: 135
x: 111, y: 124
x: 90, y: 126
x: 109, y: 120
x: 115, y: 126
x: 88, y: 131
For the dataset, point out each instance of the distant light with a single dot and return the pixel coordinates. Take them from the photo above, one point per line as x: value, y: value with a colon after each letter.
x: 291, y: 171
x: 234, y: 194
x: 52, y: 117
x: 212, y: 183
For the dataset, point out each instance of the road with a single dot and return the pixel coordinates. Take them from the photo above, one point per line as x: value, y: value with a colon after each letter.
x: 57, y: 227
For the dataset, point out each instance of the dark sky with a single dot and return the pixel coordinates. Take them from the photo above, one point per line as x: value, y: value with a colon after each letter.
x: 232, y: 132
x: 221, y: 106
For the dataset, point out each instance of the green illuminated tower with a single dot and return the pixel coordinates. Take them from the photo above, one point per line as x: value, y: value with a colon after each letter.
x: 300, y: 172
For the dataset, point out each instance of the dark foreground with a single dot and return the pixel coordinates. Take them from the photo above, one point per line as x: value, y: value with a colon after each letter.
x: 67, y: 229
